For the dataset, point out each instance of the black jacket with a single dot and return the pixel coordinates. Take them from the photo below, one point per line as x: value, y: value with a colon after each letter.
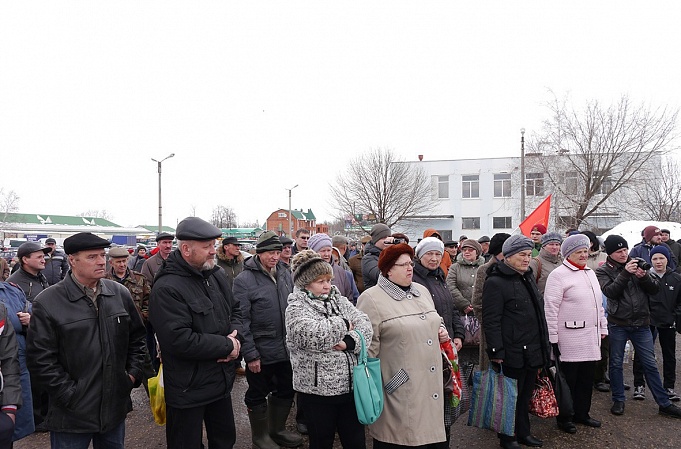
x: 31, y: 285
x: 513, y: 316
x: 263, y: 304
x: 370, y: 269
x: 56, y: 266
x: 82, y: 355
x: 434, y: 281
x: 192, y: 313
x: 9, y: 363
x: 627, y: 295
x: 665, y: 306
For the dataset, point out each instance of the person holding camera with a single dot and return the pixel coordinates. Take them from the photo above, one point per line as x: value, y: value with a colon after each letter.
x: 628, y: 286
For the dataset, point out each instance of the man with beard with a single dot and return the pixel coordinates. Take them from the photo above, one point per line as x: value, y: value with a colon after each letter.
x: 198, y: 325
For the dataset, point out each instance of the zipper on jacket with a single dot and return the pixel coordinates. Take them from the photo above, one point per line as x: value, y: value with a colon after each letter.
x: 191, y: 379
x: 315, y: 374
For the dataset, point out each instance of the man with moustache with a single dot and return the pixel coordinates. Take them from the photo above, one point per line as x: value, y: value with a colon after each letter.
x: 164, y: 241
x: 198, y: 325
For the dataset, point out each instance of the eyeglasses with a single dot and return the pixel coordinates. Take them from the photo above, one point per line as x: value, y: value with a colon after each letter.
x: 467, y: 248
x: 406, y: 264
x: 304, y: 237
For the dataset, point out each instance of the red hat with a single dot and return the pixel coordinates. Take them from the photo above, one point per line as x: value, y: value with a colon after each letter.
x: 539, y: 227
x: 390, y: 255
x: 649, y: 232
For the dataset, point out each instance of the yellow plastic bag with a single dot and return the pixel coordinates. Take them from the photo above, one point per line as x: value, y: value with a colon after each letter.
x: 157, y: 398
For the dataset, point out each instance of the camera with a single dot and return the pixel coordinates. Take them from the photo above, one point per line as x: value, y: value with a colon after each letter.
x: 642, y: 264
x: 396, y: 241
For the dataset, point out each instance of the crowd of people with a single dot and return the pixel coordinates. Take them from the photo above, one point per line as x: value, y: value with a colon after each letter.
x: 79, y: 329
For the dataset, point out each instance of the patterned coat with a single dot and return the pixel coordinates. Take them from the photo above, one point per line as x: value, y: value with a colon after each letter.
x: 313, y: 327
x: 140, y: 289
x: 574, y: 313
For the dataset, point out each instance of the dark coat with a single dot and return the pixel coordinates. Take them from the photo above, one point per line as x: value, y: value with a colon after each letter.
x: 56, y: 266
x: 434, y: 281
x: 513, y: 313
x: 665, y: 306
x: 370, y: 269
x: 192, y: 313
x: 627, y: 295
x: 31, y: 285
x: 17, y: 382
x: 642, y: 250
x: 82, y: 355
x: 232, y: 267
x: 263, y: 305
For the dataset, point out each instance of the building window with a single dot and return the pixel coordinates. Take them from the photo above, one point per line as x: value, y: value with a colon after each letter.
x: 534, y: 184
x: 606, y: 182
x: 502, y: 223
x: 571, y: 182
x: 282, y: 214
x: 446, y: 234
x: 470, y: 222
x: 502, y: 185
x: 470, y: 186
x: 443, y: 187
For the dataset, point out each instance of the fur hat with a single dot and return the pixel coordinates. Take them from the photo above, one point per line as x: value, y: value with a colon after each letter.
x: 516, y: 243
x: 496, y: 242
x: 429, y: 244
x: 472, y: 244
x: 307, y: 266
x: 614, y: 243
x: 550, y: 237
x: 390, y: 255
x: 319, y: 241
x: 573, y: 243
x: 268, y: 241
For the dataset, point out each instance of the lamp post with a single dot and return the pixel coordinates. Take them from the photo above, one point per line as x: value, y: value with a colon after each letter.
x: 290, y: 225
x: 160, y: 207
x: 522, y: 174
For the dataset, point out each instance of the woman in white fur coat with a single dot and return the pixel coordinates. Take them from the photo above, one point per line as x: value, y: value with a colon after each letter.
x: 577, y: 324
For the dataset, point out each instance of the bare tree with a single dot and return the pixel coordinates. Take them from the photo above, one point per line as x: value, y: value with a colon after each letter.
x: 659, y: 196
x: 9, y: 203
x: 380, y: 185
x: 192, y: 210
x: 250, y: 224
x: 224, y: 217
x: 96, y: 213
x: 593, y: 155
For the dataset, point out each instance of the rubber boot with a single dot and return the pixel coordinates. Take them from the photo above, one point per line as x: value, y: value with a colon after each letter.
x: 259, y: 428
x: 279, y: 410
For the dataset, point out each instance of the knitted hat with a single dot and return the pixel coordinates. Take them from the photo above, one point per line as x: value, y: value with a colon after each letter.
x: 615, y: 243
x: 595, y: 244
x: 268, y: 241
x: 516, y: 243
x: 538, y: 227
x: 429, y: 244
x: 574, y: 243
x: 390, y: 255
x: 470, y: 243
x: 319, y: 241
x: 378, y: 231
x: 551, y: 237
x: 661, y: 249
x: 649, y: 232
x: 496, y: 242
x: 307, y: 266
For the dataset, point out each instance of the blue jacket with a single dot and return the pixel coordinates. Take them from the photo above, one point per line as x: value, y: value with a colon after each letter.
x: 642, y: 250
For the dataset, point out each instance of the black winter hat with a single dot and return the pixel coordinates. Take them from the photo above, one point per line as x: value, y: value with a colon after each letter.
x: 497, y: 242
x: 615, y: 243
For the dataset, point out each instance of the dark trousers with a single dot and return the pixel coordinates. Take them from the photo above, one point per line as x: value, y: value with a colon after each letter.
x: 578, y: 376
x: 602, y: 364
x: 328, y: 415
x: 668, y: 345
x: 382, y: 445
x: 6, y: 431
x: 275, y: 378
x: 184, y: 426
x: 151, y: 346
x: 526, y: 378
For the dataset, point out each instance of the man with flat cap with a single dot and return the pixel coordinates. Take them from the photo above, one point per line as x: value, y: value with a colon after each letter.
x: 86, y: 348
x: 198, y: 326
x: 164, y: 242
x: 262, y: 290
x: 30, y: 275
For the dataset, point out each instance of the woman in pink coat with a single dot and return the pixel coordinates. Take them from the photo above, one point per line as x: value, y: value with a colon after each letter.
x: 576, y: 323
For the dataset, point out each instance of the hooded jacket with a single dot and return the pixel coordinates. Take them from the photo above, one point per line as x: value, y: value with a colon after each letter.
x: 263, y: 299
x: 232, y: 266
x: 461, y: 279
x: 192, y: 313
x: 627, y: 295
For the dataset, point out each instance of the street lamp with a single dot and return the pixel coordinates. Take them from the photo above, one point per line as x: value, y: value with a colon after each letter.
x: 160, y: 207
x: 522, y: 174
x: 290, y: 225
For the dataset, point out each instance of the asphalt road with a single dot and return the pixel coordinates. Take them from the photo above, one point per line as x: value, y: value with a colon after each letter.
x: 640, y: 427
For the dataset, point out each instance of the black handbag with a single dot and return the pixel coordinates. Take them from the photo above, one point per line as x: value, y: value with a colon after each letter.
x: 561, y: 388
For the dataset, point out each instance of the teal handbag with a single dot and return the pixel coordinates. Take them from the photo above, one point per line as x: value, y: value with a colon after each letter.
x: 367, y: 385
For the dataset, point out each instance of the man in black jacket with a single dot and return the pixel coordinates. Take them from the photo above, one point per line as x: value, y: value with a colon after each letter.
x: 628, y: 289
x: 56, y: 263
x: 86, y: 348
x: 198, y: 325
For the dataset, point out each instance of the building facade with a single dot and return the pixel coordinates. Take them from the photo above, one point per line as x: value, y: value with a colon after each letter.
x: 278, y: 221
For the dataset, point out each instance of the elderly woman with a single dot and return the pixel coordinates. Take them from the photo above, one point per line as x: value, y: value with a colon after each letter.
x: 427, y: 272
x: 515, y: 329
x: 407, y: 329
x: 576, y: 323
x: 320, y: 334
x: 549, y: 259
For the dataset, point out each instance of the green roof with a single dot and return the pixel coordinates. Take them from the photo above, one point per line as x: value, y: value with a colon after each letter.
x: 300, y: 215
x: 56, y: 220
x: 154, y: 228
x: 241, y: 232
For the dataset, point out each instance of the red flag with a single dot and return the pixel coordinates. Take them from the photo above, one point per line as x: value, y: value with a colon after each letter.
x: 539, y: 215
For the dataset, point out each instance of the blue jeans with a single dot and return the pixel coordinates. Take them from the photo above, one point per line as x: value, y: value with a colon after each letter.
x: 113, y: 439
x: 642, y: 339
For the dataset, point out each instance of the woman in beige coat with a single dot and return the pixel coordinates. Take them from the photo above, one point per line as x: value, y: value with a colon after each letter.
x: 407, y: 332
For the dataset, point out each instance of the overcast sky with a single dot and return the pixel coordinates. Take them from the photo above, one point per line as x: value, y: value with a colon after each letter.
x: 255, y: 97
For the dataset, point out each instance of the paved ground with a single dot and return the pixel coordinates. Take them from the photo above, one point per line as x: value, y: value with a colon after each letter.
x: 640, y: 427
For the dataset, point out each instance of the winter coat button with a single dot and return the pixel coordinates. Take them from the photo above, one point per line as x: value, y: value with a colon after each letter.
x: 423, y: 317
x: 409, y: 296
